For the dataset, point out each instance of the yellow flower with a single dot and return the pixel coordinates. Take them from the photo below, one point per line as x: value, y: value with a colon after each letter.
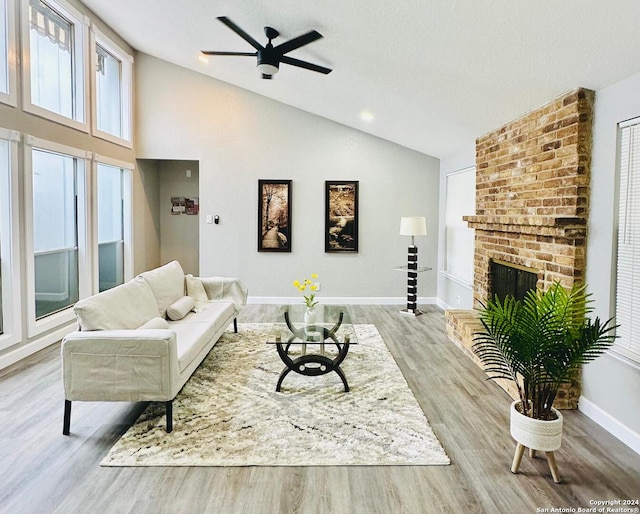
x: 310, y: 300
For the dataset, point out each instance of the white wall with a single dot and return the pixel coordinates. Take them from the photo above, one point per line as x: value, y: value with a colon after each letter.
x: 451, y: 293
x: 179, y: 234
x: 146, y: 216
x: 239, y: 137
x: 610, y: 385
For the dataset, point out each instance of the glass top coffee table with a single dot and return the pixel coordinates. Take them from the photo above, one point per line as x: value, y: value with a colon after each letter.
x: 313, y: 345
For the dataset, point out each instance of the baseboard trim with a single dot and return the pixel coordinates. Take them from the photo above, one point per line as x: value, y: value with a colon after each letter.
x: 341, y: 300
x: 443, y: 305
x: 610, y: 424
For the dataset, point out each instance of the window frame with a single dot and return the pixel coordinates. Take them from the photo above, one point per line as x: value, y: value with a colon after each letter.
x: 10, y: 245
x: 80, y: 65
x: 620, y: 348
x: 448, y: 271
x: 83, y: 158
x: 126, y: 88
x: 11, y: 97
x: 127, y: 216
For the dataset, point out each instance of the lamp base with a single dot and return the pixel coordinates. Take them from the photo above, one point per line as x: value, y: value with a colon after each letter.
x: 411, y: 313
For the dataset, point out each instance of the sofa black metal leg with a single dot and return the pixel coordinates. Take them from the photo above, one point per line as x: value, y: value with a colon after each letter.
x: 66, y: 426
x: 169, y: 409
x: 235, y: 325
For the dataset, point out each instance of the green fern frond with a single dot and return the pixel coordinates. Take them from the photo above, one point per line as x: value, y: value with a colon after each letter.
x: 540, y: 341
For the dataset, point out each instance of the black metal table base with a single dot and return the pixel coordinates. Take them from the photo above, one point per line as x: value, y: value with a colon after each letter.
x: 312, y: 365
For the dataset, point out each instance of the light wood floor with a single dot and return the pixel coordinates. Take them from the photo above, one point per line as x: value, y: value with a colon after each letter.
x: 42, y: 471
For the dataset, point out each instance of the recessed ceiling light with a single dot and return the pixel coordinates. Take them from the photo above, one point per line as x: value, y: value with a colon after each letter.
x: 366, y: 116
x: 203, y: 58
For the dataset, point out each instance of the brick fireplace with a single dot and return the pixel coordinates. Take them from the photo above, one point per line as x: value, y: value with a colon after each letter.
x: 532, y: 195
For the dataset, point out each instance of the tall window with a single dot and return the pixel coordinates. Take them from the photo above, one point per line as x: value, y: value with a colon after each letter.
x: 110, y: 226
x: 628, y: 271
x: 10, y: 315
x: 459, y: 238
x: 55, y: 232
x: 108, y: 94
x: 112, y: 66
x: 4, y: 48
x: 7, y: 52
x: 4, y: 164
x: 53, y: 40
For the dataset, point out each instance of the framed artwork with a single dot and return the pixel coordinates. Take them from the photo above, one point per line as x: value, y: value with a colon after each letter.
x: 341, y: 216
x: 274, y: 215
x: 182, y: 205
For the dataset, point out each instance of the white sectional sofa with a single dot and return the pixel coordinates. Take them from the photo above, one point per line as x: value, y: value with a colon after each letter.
x: 142, y: 340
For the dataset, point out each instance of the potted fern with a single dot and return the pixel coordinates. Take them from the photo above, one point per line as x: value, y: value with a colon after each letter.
x: 539, y: 343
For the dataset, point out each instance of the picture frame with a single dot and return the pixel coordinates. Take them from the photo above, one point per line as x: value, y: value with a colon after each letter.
x: 274, y: 215
x: 341, y: 216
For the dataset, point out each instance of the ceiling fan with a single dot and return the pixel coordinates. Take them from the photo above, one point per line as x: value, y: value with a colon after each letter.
x: 269, y: 56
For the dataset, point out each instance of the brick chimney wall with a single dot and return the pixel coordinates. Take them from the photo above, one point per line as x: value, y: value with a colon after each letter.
x: 532, y: 193
x: 532, y: 200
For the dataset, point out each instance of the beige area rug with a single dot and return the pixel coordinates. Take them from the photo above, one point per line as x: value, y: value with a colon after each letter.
x: 229, y: 414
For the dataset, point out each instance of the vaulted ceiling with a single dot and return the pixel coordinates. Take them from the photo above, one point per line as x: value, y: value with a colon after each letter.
x: 432, y: 74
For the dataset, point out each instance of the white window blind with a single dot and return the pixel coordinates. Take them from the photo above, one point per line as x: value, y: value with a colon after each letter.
x: 628, y: 270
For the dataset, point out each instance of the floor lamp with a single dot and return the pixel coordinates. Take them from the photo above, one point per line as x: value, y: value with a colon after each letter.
x: 414, y: 226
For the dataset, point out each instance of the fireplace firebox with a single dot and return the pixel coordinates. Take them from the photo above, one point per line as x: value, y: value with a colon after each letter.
x: 510, y: 279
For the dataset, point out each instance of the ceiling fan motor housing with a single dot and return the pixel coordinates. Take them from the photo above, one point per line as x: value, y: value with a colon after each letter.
x: 268, y: 60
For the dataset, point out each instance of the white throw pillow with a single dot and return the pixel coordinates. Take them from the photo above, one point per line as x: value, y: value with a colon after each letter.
x: 195, y: 289
x: 156, y: 322
x: 166, y: 283
x: 180, y: 308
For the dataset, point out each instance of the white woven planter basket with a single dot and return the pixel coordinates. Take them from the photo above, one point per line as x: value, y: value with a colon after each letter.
x: 536, y: 434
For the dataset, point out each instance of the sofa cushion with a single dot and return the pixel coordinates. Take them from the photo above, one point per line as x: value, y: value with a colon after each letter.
x: 195, y: 331
x: 191, y: 339
x: 180, y: 308
x: 217, y: 311
x: 166, y: 283
x: 126, y: 306
x: 156, y: 322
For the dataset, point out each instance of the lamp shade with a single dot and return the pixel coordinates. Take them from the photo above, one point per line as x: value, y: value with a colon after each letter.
x: 413, y: 226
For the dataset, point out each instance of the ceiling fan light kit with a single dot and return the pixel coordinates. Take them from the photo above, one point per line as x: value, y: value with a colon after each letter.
x: 270, y: 57
x: 268, y: 63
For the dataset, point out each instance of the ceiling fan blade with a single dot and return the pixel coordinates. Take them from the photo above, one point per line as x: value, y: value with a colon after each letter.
x: 305, y: 65
x: 240, y: 32
x: 213, y: 52
x: 297, y: 42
